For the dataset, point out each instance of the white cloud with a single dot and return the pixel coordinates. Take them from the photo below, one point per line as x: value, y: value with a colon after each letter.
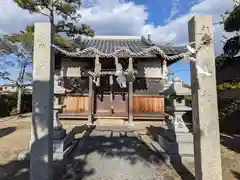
x: 176, y: 30
x: 115, y: 17
x: 13, y: 18
x: 174, y: 10
x: 119, y: 17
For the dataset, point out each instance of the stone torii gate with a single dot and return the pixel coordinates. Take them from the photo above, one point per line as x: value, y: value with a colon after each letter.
x: 205, y: 113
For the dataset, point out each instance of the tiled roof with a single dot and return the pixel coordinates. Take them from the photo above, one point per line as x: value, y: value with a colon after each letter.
x: 109, y: 44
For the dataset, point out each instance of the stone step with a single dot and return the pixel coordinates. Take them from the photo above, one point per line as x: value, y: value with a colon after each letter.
x: 109, y: 122
x: 175, y: 147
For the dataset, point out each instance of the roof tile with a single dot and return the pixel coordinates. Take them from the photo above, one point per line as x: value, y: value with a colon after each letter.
x: 135, y: 45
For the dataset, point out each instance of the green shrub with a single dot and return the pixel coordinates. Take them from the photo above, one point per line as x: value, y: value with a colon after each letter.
x: 8, y: 104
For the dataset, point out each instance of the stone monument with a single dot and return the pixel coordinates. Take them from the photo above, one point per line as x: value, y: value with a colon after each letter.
x: 41, y: 156
x: 177, y: 140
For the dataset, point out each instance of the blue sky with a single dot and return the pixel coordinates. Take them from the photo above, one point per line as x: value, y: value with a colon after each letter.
x: 159, y: 10
x: 166, y: 20
x: 159, y: 16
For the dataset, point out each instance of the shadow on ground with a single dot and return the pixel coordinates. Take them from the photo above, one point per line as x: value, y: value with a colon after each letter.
x: 177, y: 164
x: 236, y: 174
x: 17, y: 170
x: 7, y: 131
x: 231, y: 142
x: 109, y: 144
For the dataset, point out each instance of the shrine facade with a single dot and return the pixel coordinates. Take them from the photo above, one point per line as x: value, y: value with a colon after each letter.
x: 93, y: 87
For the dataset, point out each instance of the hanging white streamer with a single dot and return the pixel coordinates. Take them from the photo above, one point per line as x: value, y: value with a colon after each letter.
x: 200, y: 70
x: 121, y: 79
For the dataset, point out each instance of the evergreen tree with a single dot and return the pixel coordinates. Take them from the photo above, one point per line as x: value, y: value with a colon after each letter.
x: 68, y: 10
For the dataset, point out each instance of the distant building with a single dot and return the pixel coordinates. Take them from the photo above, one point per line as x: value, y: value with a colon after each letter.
x: 12, y: 88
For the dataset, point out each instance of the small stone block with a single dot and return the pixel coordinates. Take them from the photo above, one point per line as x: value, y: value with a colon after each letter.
x: 123, y: 133
x: 61, y: 145
x: 116, y: 134
x: 58, y: 156
x: 131, y: 134
x: 24, y: 155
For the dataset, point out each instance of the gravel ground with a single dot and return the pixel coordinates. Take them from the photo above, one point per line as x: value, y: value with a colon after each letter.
x: 112, y: 155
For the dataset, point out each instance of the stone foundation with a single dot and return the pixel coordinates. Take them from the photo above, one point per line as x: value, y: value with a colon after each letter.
x: 177, y: 146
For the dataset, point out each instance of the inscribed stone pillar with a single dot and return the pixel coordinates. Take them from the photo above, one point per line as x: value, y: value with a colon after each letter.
x: 41, y: 157
x: 204, y: 104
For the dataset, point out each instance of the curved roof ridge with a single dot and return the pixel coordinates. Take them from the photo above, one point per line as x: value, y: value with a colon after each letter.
x: 147, y: 41
x: 100, y: 37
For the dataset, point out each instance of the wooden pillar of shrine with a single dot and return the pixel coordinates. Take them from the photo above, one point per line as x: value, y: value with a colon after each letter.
x: 90, y: 100
x: 130, y: 91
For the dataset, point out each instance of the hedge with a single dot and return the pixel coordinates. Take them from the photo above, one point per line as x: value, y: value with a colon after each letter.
x: 8, y: 104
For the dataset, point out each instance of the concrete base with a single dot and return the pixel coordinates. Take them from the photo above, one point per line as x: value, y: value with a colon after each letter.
x: 63, y: 147
x: 178, y: 146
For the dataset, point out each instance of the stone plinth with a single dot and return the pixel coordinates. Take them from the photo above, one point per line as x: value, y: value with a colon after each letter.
x: 177, y: 145
x: 63, y: 143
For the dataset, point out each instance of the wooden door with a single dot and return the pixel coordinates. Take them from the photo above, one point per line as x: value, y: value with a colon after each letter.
x: 110, y: 101
x: 102, y: 96
x: 120, y: 104
x: 120, y: 99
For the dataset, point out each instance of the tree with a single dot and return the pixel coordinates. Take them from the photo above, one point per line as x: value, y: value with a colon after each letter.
x: 20, y: 46
x: 68, y: 10
x: 231, y: 23
x: 231, y: 49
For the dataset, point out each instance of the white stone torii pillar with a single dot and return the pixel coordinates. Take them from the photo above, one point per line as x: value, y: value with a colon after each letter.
x: 41, y: 156
x: 207, y: 154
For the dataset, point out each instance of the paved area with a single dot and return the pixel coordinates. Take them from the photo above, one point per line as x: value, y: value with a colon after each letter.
x: 117, y: 153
